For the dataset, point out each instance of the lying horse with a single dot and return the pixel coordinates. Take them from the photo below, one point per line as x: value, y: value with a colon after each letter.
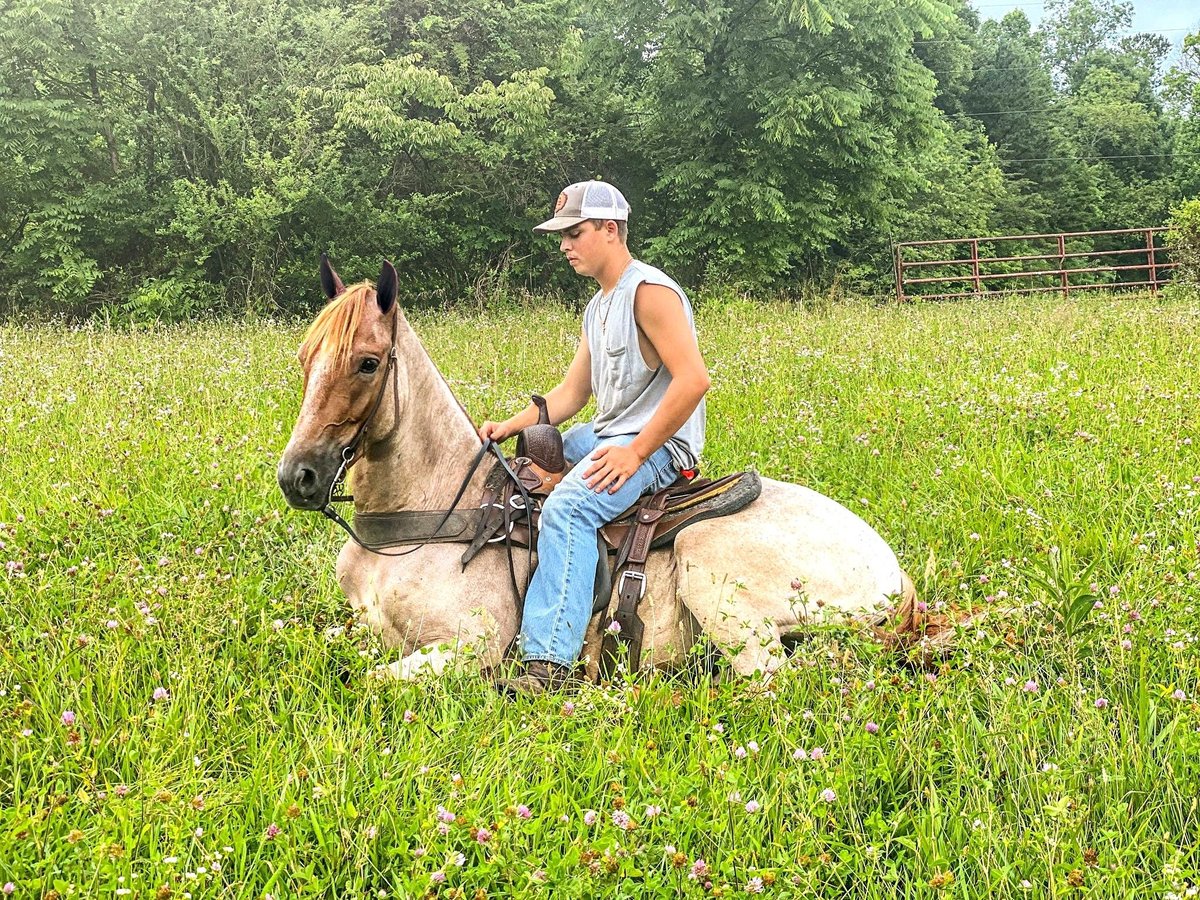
x: 375, y: 401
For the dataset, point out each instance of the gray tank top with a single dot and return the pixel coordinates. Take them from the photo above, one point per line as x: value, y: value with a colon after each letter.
x: 628, y: 392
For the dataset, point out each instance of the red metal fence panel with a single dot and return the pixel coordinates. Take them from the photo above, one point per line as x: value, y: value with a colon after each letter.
x: 1089, y: 257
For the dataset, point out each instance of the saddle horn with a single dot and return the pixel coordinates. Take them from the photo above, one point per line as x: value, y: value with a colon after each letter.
x: 542, y: 443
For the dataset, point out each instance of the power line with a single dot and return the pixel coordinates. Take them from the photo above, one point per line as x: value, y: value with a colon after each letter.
x: 1003, y: 112
x: 1127, y: 34
x: 1082, y: 158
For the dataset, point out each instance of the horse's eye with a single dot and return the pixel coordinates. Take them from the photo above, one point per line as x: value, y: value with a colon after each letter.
x: 368, y: 366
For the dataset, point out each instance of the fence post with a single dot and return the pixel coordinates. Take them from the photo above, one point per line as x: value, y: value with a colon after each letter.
x: 1062, y: 266
x: 899, y: 267
x: 1150, y: 261
x: 975, y: 266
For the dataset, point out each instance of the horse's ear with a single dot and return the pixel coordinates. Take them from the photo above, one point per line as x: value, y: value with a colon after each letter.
x: 330, y: 282
x: 385, y: 288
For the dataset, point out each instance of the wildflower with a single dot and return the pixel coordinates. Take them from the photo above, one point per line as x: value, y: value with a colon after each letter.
x: 752, y: 746
x: 68, y: 717
x: 271, y: 832
x: 458, y: 860
x: 754, y: 885
x: 1127, y: 645
x: 409, y: 717
x: 1030, y: 687
x: 941, y: 880
x: 9, y: 887
x: 614, y: 627
x: 438, y: 877
x: 1179, y: 695
x: 817, y: 753
x: 444, y: 815
x: 753, y: 806
x: 699, y: 869
x: 589, y: 818
x: 1101, y: 703
x: 160, y: 693
x: 739, y: 752
x: 800, y: 753
x: 372, y: 832
x: 621, y: 819
x: 653, y: 811
x: 568, y: 708
x: 872, y: 728
x: 828, y: 795
x: 482, y: 836
x: 524, y: 811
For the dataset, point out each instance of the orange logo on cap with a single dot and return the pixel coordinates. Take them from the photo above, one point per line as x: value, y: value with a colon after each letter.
x: 561, y: 202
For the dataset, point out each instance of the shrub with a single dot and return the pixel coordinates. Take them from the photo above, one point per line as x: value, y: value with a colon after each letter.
x: 1184, y: 240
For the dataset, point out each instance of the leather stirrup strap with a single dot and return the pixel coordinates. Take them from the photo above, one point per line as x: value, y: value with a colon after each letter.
x: 629, y: 572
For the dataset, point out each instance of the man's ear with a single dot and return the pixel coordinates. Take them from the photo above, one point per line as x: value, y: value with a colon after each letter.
x: 385, y: 288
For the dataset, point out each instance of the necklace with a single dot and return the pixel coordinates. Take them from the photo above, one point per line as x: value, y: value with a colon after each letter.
x: 604, y: 306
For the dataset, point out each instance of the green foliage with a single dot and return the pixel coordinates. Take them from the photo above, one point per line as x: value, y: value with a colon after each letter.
x: 1184, y: 241
x: 773, y: 143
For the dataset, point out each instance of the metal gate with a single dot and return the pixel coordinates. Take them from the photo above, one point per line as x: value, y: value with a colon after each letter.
x: 1085, y: 260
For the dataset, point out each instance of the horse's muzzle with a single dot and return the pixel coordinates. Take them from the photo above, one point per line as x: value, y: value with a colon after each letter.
x: 305, y: 483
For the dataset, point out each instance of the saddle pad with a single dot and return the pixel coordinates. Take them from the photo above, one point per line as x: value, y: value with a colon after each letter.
x: 718, y: 498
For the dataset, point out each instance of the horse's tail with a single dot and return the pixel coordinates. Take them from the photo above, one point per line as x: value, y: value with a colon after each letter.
x: 910, y: 628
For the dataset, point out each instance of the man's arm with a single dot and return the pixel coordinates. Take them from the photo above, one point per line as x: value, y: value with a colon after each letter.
x: 562, y: 401
x: 658, y: 311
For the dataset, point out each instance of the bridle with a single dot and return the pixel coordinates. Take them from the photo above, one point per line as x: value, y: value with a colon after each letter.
x: 350, y: 451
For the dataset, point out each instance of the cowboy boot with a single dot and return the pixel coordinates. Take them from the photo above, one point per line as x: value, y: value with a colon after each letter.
x: 536, y: 677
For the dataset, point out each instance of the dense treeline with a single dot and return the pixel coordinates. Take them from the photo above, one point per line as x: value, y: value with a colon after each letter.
x: 160, y: 157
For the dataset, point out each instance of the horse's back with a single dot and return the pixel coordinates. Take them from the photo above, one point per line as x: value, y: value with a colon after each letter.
x: 792, y: 534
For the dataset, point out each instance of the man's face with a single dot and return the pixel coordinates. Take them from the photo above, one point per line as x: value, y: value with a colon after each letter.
x: 585, y: 245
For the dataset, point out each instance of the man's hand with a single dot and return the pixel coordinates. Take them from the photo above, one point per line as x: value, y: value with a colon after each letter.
x: 496, y: 431
x: 612, y: 466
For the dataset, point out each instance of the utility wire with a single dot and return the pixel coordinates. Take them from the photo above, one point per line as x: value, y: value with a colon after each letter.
x: 1004, y: 161
x: 1128, y: 34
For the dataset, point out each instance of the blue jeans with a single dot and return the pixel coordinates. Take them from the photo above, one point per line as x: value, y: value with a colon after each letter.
x: 558, y: 604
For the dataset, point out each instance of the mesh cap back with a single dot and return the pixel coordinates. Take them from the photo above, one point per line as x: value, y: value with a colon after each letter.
x: 586, y: 200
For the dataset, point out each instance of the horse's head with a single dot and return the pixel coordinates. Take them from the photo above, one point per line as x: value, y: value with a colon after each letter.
x: 349, y: 364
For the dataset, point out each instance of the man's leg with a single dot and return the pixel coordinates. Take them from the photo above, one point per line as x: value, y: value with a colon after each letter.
x: 558, y: 605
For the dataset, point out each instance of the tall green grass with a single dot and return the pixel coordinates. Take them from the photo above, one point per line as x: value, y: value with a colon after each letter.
x: 1033, y: 455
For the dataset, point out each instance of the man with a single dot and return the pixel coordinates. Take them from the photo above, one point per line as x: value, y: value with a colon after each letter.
x: 639, y: 357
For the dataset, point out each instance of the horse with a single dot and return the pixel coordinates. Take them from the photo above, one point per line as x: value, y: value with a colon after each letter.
x: 375, y: 403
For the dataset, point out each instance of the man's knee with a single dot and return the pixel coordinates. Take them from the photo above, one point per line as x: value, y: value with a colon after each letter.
x: 571, y: 501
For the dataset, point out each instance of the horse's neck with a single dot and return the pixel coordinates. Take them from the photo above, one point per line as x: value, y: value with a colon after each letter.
x: 423, y: 461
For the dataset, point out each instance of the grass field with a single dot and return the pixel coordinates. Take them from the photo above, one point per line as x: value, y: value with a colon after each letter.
x: 184, y: 713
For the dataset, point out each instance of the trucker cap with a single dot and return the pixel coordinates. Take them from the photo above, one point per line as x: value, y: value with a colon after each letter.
x: 582, y: 201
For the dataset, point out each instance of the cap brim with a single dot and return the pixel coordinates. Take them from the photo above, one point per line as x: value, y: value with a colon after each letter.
x: 558, y: 223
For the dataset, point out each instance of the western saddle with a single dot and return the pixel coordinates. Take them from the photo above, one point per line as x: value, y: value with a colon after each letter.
x: 510, y: 510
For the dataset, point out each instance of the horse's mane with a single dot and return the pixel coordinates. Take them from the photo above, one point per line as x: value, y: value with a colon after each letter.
x: 333, y: 330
